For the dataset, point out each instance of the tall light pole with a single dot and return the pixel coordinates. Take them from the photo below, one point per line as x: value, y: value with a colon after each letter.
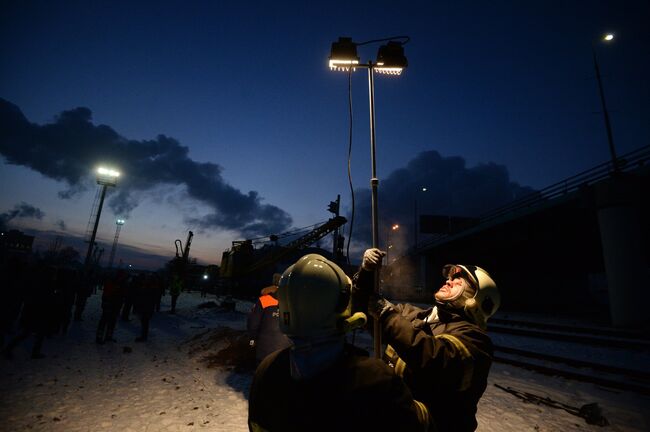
x: 118, y: 227
x: 610, y: 140
x: 415, y: 218
x: 105, y: 177
x: 391, y: 61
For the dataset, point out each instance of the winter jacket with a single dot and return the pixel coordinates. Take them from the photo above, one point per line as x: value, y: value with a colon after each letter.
x: 445, y: 362
x: 264, y: 326
x: 145, y: 296
x: 176, y: 285
x: 355, y: 394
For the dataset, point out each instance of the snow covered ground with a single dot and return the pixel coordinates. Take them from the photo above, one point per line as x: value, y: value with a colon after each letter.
x: 163, y: 384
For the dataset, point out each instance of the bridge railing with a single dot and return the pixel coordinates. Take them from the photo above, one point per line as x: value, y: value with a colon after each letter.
x: 627, y: 162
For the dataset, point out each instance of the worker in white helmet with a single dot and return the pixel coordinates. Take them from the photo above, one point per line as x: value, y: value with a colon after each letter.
x: 443, y: 353
x: 321, y: 383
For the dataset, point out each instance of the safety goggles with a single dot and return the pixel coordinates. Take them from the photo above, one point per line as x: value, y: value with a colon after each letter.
x: 467, y: 272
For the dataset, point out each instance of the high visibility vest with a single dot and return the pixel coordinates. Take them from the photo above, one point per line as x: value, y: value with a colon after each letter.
x: 268, y: 300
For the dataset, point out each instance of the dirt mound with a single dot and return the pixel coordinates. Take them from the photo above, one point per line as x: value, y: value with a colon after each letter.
x: 223, y: 347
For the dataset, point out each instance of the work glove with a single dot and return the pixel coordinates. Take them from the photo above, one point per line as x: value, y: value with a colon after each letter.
x: 379, y: 307
x: 372, y: 259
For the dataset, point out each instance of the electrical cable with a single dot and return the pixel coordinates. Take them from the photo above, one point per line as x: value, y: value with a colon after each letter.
x: 385, y: 39
x: 349, y: 164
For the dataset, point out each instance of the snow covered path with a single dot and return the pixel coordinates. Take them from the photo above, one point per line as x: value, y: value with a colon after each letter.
x: 81, y: 386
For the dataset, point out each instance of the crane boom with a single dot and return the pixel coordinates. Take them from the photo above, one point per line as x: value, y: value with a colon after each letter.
x: 297, y: 244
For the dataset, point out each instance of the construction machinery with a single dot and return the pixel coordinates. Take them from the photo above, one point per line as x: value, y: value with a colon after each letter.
x: 245, y: 270
x: 184, y: 254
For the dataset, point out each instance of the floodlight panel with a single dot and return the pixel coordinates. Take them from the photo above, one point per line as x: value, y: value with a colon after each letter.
x: 389, y: 70
x: 343, y: 64
x: 108, y: 172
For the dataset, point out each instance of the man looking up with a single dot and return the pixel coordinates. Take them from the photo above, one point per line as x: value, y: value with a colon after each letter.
x: 443, y: 353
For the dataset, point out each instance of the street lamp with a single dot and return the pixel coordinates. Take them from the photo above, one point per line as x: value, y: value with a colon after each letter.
x: 105, y: 177
x: 118, y: 228
x: 390, y: 61
x: 610, y: 140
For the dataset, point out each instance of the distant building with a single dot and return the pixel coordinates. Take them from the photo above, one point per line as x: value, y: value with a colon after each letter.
x: 14, y: 241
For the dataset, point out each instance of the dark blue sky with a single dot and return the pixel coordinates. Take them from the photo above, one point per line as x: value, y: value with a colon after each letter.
x: 504, y: 92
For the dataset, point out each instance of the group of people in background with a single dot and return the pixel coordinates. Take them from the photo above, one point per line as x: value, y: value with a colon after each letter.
x: 41, y: 299
x: 38, y: 301
x: 141, y: 293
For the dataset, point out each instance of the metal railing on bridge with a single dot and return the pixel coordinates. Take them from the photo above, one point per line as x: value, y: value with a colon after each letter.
x: 627, y: 162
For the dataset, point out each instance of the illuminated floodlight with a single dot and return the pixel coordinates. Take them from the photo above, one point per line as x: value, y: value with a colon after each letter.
x: 107, y: 172
x: 391, y: 59
x: 343, y: 55
x: 608, y: 37
x: 205, y: 277
x: 395, y: 227
x: 107, y: 176
x: 424, y: 189
x: 120, y: 222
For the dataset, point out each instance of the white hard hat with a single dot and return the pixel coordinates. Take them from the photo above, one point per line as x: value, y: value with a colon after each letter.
x: 486, y: 299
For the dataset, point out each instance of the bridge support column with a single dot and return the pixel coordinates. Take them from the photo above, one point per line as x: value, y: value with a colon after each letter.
x: 620, y: 233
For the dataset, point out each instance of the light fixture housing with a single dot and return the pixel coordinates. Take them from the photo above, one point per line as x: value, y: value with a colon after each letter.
x: 107, y: 176
x: 343, y: 55
x: 391, y: 59
x: 120, y: 222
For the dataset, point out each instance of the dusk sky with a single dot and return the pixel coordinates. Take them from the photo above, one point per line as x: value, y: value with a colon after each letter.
x: 225, y: 119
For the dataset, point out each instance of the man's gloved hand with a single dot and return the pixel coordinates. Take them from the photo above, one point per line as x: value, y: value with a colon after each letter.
x: 378, y: 307
x: 372, y: 259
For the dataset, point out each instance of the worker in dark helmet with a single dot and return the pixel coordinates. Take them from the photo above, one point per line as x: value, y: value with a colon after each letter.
x: 443, y: 353
x: 320, y: 383
x: 263, y: 325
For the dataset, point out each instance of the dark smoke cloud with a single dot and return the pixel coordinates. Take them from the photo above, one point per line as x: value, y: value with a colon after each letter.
x: 68, y: 148
x: 452, y: 190
x: 22, y: 210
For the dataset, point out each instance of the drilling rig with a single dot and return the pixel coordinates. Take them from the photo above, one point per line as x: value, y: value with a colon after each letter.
x: 180, y: 263
x: 245, y: 270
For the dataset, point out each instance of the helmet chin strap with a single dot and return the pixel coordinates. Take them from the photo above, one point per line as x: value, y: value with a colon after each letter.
x: 458, y: 301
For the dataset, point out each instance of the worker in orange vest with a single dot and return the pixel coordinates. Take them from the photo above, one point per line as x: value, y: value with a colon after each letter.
x: 263, y: 323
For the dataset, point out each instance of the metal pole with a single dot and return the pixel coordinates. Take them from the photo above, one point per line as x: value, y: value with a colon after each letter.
x: 608, y: 127
x: 415, y: 223
x: 114, y: 248
x: 92, y: 237
x: 374, y: 183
